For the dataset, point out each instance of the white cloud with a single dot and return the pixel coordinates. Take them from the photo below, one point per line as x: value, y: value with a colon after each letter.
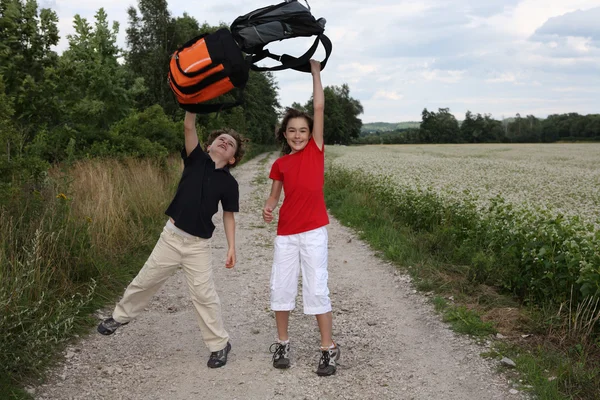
x: 359, y: 68
x: 582, y: 23
x: 573, y: 89
x: 403, y: 9
x: 443, y: 76
x: 387, y: 95
x: 529, y: 15
x: 503, y: 78
x: 579, y: 44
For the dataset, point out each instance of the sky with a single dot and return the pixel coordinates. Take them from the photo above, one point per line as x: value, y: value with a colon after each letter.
x: 499, y: 57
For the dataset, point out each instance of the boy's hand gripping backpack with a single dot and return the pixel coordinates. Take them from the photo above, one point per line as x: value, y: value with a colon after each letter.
x: 289, y: 19
x: 207, y: 67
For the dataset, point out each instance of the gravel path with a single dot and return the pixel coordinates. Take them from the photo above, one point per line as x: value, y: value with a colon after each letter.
x: 393, y: 344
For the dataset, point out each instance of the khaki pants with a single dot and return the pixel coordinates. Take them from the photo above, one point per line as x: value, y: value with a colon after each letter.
x: 194, y: 255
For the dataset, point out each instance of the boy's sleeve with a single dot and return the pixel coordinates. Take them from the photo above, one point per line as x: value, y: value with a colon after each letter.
x: 231, y: 199
x: 276, y: 174
x: 196, y: 154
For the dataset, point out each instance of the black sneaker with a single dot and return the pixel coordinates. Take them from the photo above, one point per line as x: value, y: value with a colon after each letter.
x: 281, y: 355
x: 109, y: 326
x: 219, y: 358
x: 327, y: 363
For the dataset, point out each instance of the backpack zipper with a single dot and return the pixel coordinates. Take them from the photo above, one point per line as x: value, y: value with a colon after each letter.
x: 276, y: 18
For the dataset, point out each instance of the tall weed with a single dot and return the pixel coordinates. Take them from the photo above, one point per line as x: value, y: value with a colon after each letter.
x: 66, y: 246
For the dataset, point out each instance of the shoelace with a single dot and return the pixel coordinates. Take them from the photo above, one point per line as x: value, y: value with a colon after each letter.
x: 215, y: 355
x: 279, y: 350
x: 325, y: 358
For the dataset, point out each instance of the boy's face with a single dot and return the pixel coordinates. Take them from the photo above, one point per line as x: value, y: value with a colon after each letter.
x: 223, y: 147
x: 297, y: 134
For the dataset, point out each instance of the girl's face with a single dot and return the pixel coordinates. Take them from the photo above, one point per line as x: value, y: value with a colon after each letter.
x: 297, y: 134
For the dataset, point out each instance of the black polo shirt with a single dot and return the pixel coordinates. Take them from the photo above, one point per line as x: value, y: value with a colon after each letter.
x: 200, y: 189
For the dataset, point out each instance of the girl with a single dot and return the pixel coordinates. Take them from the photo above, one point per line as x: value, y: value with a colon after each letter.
x: 301, y: 242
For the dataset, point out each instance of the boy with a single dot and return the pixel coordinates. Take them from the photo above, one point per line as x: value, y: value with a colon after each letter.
x: 185, y: 238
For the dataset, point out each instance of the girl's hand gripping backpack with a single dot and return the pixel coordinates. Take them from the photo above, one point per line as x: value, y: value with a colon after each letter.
x: 207, y: 67
x: 289, y: 19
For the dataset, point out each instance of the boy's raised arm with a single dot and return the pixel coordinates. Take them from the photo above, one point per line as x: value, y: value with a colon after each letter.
x: 318, y: 103
x: 189, y: 129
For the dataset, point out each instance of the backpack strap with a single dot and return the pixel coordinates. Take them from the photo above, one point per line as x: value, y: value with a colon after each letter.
x: 301, y: 63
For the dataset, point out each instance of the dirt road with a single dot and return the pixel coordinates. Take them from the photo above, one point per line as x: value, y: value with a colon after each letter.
x: 394, y: 346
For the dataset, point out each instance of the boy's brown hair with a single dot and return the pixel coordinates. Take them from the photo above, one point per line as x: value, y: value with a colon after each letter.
x: 289, y: 114
x: 239, y: 140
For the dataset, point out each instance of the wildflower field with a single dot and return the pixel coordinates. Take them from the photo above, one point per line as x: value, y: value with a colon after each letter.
x: 505, y: 236
x: 564, y: 178
x: 525, y: 217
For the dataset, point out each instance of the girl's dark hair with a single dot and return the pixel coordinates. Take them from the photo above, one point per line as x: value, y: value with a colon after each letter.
x: 289, y: 114
x: 239, y: 140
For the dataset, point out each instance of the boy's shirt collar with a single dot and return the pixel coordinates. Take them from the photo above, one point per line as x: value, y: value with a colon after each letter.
x: 225, y: 168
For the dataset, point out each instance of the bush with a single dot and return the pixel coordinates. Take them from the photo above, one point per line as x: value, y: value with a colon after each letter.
x: 151, y: 124
x: 538, y: 256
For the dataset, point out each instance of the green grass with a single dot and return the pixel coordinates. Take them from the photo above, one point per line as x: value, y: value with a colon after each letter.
x: 462, y: 319
x: 9, y: 391
x: 550, y: 372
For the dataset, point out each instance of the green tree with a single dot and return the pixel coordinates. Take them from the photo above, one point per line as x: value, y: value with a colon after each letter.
x: 440, y: 127
x: 480, y: 129
x: 550, y: 130
x: 592, y: 127
x: 342, y: 125
x: 6, y: 126
x: 132, y: 135
x: 260, y: 108
x: 150, y: 47
x: 92, y: 84
x: 470, y: 129
x: 524, y: 130
x: 26, y: 59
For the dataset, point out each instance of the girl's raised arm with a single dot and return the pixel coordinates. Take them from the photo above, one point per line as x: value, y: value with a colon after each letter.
x: 318, y: 103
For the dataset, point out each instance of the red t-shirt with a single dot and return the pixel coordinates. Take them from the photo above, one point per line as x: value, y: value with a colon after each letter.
x: 303, y: 176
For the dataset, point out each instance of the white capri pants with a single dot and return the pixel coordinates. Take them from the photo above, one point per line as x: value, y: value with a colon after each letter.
x: 306, y: 251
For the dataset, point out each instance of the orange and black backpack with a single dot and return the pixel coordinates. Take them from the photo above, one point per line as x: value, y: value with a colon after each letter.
x: 211, y: 65
x: 205, y: 68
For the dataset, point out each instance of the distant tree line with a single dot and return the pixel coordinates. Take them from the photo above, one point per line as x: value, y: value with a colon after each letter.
x: 443, y: 127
